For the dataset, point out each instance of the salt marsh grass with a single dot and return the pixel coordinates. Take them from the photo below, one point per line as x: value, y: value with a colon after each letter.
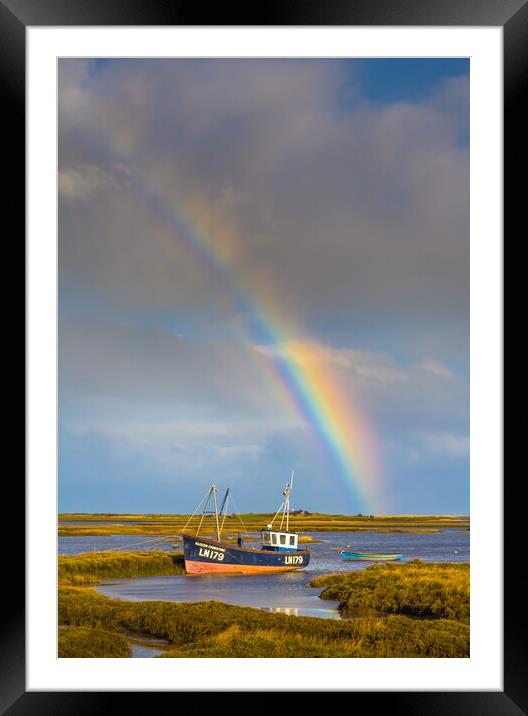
x: 90, y: 568
x: 418, y: 589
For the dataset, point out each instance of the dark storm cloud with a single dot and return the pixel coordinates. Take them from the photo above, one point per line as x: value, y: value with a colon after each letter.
x: 355, y: 213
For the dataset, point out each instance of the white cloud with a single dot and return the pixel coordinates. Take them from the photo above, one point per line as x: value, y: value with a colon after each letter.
x: 82, y: 183
x: 436, y: 368
x: 447, y: 444
x: 126, y: 369
x: 191, y: 445
x: 375, y: 366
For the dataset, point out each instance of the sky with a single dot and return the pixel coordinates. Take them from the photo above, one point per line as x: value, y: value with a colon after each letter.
x: 264, y: 267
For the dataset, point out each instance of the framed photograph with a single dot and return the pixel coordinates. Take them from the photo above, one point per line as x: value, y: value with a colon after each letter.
x: 264, y: 351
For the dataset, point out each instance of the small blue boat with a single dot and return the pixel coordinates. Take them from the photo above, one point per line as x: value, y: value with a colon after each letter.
x: 369, y: 556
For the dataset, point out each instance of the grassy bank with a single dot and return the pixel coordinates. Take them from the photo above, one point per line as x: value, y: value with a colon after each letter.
x: 83, y: 642
x: 213, y: 629
x: 418, y: 589
x: 414, y: 609
x: 89, y: 568
x: 88, y: 530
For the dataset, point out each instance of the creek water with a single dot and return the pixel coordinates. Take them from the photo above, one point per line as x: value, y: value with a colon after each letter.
x: 283, y: 592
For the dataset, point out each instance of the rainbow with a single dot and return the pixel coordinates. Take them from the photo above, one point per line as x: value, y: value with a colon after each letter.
x: 336, y: 419
x: 299, y: 368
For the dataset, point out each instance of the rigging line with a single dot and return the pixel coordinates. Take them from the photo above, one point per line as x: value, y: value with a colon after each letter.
x: 137, y: 544
x: 280, y: 508
x: 210, y: 492
x: 216, y: 515
x: 196, y: 510
x: 224, y: 509
x: 238, y: 514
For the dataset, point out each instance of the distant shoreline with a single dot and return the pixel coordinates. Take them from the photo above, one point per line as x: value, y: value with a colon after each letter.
x: 101, y: 524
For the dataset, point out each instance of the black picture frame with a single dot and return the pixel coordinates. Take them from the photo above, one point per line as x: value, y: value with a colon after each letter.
x: 512, y: 15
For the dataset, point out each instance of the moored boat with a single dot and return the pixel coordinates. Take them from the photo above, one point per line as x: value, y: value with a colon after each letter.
x: 278, y: 552
x: 369, y: 556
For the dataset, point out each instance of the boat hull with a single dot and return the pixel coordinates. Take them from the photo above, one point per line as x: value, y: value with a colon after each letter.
x: 208, y: 556
x: 367, y: 557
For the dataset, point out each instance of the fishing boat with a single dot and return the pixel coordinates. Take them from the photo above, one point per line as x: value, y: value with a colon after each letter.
x: 369, y: 556
x: 278, y: 552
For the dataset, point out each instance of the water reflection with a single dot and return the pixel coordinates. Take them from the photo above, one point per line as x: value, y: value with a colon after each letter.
x: 290, y: 611
x: 139, y: 651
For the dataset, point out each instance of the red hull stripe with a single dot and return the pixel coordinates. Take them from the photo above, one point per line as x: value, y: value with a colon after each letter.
x: 203, y: 567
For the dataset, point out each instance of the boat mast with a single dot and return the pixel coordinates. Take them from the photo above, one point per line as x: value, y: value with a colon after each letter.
x: 211, y: 492
x: 223, y: 510
x: 286, y: 494
x: 288, y: 502
x: 213, y: 488
x: 285, y: 504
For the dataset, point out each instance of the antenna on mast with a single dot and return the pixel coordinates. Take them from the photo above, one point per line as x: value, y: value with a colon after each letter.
x: 285, y: 504
x: 286, y: 495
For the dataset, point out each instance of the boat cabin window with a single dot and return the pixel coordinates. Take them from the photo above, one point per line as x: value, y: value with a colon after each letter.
x: 278, y: 539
